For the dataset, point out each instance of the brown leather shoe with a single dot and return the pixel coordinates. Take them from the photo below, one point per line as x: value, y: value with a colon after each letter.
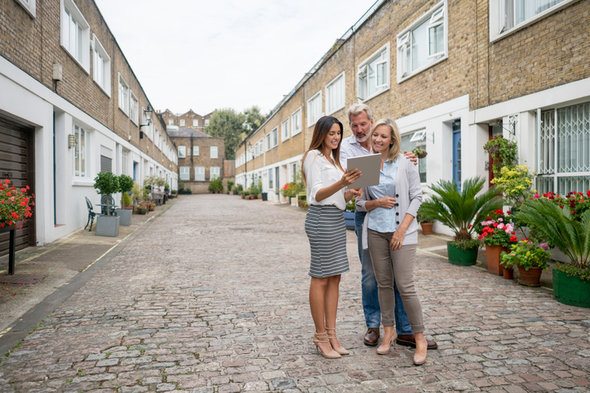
x: 371, y: 337
x: 408, y: 341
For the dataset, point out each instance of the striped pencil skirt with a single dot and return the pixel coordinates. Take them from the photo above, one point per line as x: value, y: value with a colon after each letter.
x: 324, y: 226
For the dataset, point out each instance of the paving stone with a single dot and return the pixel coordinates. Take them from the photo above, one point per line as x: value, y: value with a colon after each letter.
x: 211, y: 297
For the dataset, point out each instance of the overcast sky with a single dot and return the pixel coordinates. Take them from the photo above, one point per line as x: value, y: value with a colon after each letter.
x: 214, y: 54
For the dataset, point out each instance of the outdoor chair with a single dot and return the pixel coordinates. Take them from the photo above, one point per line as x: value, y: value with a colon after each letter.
x: 91, y: 214
x: 107, y: 205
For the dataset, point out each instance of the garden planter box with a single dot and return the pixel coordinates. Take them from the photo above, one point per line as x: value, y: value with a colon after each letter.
x: 460, y: 256
x: 107, y: 226
x: 124, y: 216
x: 571, y: 290
x: 349, y: 219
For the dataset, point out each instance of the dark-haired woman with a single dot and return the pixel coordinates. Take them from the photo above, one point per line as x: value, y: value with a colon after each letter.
x: 324, y: 225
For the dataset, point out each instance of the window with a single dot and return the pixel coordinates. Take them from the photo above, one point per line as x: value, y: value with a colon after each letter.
x: 270, y: 179
x: 106, y: 159
x: 314, y: 108
x: 195, y: 122
x: 412, y: 140
x: 373, y: 74
x: 80, y: 159
x: 200, y: 173
x: 195, y: 150
x: 285, y: 130
x: 335, y: 94
x: 273, y: 138
x: 182, y: 122
x: 75, y: 34
x: 296, y: 122
x: 423, y: 44
x: 101, y: 66
x: 214, y: 172
x: 268, y: 142
x: 170, y: 122
x: 206, y: 122
x: 213, y: 152
x: 134, y: 109
x: 29, y: 5
x: 507, y: 16
x: 123, y: 95
x: 181, y: 151
x: 563, y: 158
x: 185, y: 172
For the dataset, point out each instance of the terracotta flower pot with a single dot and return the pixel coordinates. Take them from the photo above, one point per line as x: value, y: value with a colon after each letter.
x: 531, y: 277
x: 427, y: 228
x: 493, y: 259
x: 507, y: 273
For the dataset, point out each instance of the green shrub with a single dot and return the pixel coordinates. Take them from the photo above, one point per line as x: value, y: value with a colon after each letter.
x: 216, y: 186
x: 106, y: 183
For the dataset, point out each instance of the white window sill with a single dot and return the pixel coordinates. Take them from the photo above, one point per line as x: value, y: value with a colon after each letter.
x: 336, y: 110
x: 375, y: 94
x: 82, y: 182
x: 420, y: 70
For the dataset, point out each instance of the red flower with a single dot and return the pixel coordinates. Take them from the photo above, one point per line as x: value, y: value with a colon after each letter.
x: 513, y: 239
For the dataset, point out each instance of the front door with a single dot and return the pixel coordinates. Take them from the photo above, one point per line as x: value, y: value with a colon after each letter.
x: 457, y: 153
x: 17, y: 164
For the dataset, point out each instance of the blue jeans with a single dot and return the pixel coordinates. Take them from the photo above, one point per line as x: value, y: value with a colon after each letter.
x: 370, y: 291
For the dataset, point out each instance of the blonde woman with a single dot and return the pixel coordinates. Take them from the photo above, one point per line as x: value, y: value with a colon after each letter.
x: 324, y: 225
x: 392, y: 234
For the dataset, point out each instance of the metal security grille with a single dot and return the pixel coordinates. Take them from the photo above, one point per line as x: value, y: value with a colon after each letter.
x: 563, y: 160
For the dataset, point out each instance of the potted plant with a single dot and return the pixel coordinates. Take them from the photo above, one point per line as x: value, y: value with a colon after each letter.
x: 125, y: 187
x: 460, y: 210
x: 530, y: 259
x: 16, y: 204
x: 420, y: 152
x: 565, y: 224
x: 349, y: 214
x: 106, y: 184
x: 497, y: 234
x: 515, y: 183
x: 426, y: 221
x: 502, y: 151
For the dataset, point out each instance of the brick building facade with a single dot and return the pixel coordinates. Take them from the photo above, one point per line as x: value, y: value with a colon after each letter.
x: 189, y: 119
x: 201, y: 158
x: 452, y: 74
x: 70, y: 94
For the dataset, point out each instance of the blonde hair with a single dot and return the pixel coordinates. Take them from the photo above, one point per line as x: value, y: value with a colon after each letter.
x: 358, y: 108
x: 394, y: 145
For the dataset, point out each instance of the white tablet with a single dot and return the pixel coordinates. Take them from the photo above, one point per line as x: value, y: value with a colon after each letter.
x: 369, y: 165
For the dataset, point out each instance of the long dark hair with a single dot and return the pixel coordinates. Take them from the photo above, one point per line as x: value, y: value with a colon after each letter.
x: 321, y: 129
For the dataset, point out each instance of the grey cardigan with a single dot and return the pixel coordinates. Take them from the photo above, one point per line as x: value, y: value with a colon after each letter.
x: 409, y: 198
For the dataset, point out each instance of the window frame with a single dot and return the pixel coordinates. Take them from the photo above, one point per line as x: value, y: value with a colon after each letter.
x: 71, y: 11
x: 80, y: 151
x: 183, y: 149
x: 404, y: 42
x: 342, y: 79
x: 187, y: 172
x: 199, y: 170
x: 211, y: 149
x: 297, y: 115
x: 381, y: 56
x: 196, y: 148
x: 182, y: 123
x: 317, y: 96
x: 133, y: 108
x: 30, y: 6
x: 218, y: 172
x: 274, y: 138
x: 497, y: 24
x: 99, y: 54
x: 285, y: 126
x: 195, y: 122
x: 418, y: 138
x: 126, y: 100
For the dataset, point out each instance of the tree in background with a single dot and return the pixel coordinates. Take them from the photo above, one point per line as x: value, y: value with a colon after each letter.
x: 226, y: 123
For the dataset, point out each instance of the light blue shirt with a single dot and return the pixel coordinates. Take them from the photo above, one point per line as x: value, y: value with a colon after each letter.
x: 349, y: 148
x: 382, y: 219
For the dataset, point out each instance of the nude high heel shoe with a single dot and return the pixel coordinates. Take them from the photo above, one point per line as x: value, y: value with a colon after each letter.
x: 421, y: 352
x: 332, y: 336
x: 385, y: 346
x: 322, y: 338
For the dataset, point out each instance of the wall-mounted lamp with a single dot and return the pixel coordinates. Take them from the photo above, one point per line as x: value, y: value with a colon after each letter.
x: 72, y: 141
x: 148, y: 120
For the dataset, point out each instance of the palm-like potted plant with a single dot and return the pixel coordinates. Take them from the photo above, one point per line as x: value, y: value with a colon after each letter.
x: 569, y: 231
x: 460, y: 210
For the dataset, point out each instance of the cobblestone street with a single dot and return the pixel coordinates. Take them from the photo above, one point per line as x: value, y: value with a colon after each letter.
x: 212, y: 297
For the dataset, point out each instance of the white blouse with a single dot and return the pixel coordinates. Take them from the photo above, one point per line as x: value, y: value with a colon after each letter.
x: 320, y: 173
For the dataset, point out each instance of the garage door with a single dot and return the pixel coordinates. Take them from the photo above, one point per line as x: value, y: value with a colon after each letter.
x: 17, y: 163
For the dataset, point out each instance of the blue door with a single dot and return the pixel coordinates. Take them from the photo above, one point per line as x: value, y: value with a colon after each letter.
x: 457, y: 153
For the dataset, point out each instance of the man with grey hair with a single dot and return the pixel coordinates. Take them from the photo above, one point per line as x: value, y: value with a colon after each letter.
x: 361, y: 120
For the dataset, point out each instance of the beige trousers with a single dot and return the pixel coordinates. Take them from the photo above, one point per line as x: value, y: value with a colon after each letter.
x: 395, y: 267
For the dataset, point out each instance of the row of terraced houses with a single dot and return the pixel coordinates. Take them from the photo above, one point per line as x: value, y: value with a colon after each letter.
x: 70, y: 107
x: 453, y: 74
